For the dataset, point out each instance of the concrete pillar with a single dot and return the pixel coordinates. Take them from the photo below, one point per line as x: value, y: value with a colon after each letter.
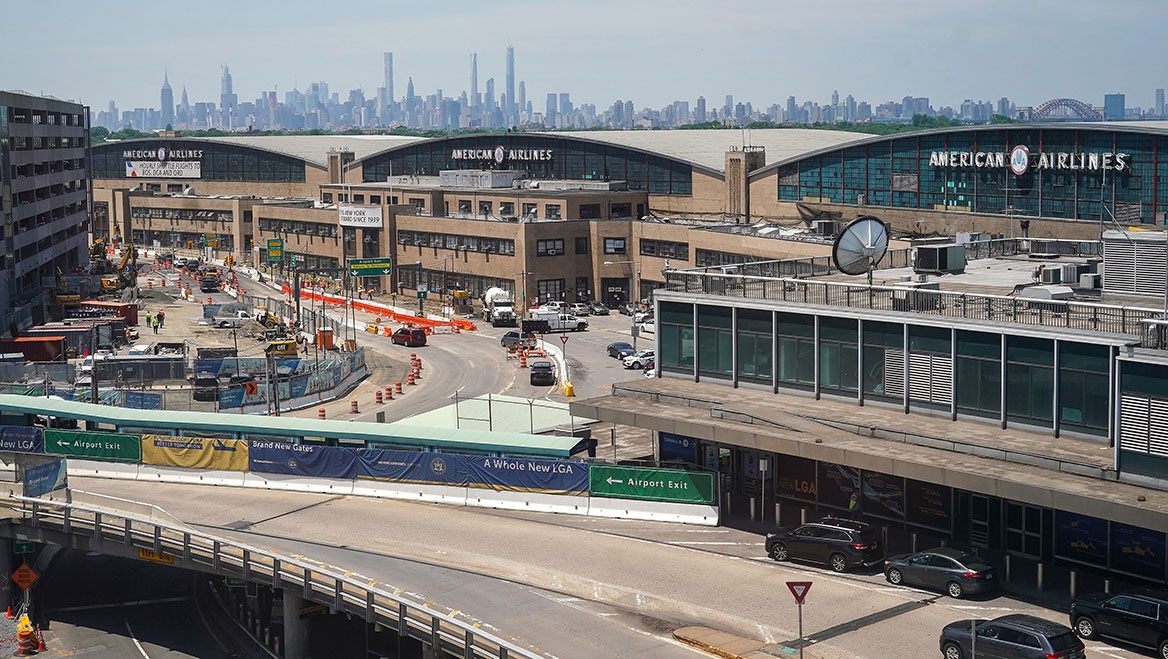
x: 10, y: 592
x: 296, y: 631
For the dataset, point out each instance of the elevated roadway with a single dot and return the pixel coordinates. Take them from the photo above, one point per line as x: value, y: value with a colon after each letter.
x: 579, y: 587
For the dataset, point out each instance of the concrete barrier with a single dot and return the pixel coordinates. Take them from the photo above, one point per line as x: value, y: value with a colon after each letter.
x: 95, y: 469
x: 454, y: 495
x: 191, y: 476
x: 544, y: 503
x: 297, y: 483
x: 685, y: 513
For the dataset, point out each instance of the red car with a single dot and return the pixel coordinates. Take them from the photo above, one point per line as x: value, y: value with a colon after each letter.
x: 411, y: 337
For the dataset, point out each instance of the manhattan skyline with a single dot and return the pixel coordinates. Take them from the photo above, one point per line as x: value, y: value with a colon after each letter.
x: 760, y: 52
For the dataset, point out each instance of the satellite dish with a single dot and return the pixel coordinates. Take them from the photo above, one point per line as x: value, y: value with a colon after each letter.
x: 860, y: 246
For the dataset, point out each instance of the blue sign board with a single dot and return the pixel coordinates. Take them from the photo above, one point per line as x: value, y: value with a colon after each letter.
x: 412, y: 467
x: 302, y: 460
x: 678, y: 447
x: 1080, y: 538
x: 1137, y: 551
x: 528, y: 475
x: 22, y: 439
x: 42, y: 479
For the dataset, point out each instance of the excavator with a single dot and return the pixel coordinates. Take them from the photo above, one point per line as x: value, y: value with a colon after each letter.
x: 98, y: 261
x: 125, y: 275
x: 61, y: 294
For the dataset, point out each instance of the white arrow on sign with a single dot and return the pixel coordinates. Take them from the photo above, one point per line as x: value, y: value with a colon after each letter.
x: 611, y: 481
x: 386, y: 271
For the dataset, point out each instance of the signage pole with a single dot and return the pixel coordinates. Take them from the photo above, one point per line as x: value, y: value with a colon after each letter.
x: 801, y: 643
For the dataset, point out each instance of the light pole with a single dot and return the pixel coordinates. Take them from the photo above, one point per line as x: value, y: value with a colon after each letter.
x: 522, y: 297
x: 445, y: 285
x: 421, y: 311
x: 636, y: 297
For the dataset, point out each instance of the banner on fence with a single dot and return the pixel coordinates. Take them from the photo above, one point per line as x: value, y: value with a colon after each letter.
x: 195, y: 452
x: 100, y: 445
x: 412, y: 467
x: 22, y: 439
x: 45, y: 478
x: 143, y: 400
x: 528, y: 475
x: 302, y: 460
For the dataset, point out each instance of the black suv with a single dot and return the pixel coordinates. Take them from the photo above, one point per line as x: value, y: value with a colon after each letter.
x: 840, y: 543
x: 1139, y: 617
x: 1016, y: 636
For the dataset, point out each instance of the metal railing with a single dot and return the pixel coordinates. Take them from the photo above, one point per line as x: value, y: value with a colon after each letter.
x: 201, y: 551
x: 974, y: 306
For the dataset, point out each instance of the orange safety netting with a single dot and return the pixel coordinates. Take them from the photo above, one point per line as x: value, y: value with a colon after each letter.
x: 384, y: 312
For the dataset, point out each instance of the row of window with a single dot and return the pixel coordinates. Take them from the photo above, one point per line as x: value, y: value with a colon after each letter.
x: 664, y: 249
x: 188, y: 214
x: 17, y: 115
x: 928, y: 363
x: 507, y: 209
x: 20, y: 143
x: 182, y: 239
x: 714, y: 258
x: 47, y: 167
x: 504, y: 246
x: 570, y: 159
x: 218, y: 161
x: 298, y: 227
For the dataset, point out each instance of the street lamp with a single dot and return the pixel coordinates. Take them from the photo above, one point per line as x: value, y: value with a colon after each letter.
x: 522, y: 288
x: 445, y: 285
x: 636, y: 296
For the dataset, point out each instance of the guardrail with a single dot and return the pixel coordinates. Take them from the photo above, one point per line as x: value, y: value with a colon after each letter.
x: 209, y: 553
x: 656, y: 396
x: 974, y: 306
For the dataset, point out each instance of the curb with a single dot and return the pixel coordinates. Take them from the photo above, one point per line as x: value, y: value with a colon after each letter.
x: 732, y: 646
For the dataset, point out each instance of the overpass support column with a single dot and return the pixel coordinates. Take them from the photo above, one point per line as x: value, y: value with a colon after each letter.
x: 296, y: 637
x: 11, y: 592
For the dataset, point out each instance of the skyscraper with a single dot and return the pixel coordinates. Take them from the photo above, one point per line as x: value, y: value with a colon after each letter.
x: 474, y: 80
x: 549, y: 115
x: 510, y: 109
x: 700, y: 110
x: 489, y: 96
x: 167, y: 102
x: 227, y: 99
x: 522, y: 96
x: 1160, y: 103
x: 1113, y: 107
x: 389, y: 76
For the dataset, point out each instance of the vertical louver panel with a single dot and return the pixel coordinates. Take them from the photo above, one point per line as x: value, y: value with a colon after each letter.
x: 1133, y: 423
x: 942, y: 379
x: 1158, y: 427
x: 920, y: 374
x: 894, y: 372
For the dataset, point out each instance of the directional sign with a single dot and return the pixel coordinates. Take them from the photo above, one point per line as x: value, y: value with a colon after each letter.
x: 799, y: 589
x: 421, y: 295
x: 275, y: 249
x: 22, y: 547
x: 211, y: 240
x: 233, y: 582
x: 651, y: 484
x: 313, y: 610
x: 24, y: 576
x: 370, y: 267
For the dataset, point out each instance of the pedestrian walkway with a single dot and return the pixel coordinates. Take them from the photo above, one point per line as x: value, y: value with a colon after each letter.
x: 731, y: 646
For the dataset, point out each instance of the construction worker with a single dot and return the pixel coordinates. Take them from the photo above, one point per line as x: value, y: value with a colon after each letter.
x: 156, y: 324
x: 161, y: 318
x: 148, y: 323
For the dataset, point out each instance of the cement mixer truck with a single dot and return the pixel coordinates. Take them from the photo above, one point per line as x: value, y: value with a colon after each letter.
x: 499, y: 308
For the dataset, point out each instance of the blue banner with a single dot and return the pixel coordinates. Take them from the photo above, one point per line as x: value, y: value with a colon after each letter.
x: 302, y: 460
x: 42, y: 479
x: 298, y: 386
x: 528, y: 475
x: 22, y: 439
x: 412, y: 466
x: 143, y: 400
x: 1137, y: 551
x: 1080, y: 538
x: 678, y: 447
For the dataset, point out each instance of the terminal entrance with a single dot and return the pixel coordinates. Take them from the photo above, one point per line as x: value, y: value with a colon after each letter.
x: 615, y: 290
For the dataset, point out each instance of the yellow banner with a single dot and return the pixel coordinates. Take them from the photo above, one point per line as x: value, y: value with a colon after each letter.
x: 194, y: 452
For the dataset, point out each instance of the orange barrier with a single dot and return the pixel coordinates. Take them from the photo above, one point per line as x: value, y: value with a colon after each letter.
x: 26, y: 642
x: 352, y: 407
x: 397, y: 386
x: 410, y: 378
x: 385, y: 313
x: 320, y: 413
x: 378, y: 398
x: 523, y: 359
x: 389, y: 393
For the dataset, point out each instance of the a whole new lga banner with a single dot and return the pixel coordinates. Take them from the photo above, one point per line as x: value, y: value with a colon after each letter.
x: 195, y: 452
x: 22, y: 439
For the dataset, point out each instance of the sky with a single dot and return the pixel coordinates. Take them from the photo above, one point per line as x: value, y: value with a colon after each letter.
x: 651, y: 52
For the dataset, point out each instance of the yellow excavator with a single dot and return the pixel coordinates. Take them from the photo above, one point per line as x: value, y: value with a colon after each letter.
x: 61, y: 294
x: 125, y: 275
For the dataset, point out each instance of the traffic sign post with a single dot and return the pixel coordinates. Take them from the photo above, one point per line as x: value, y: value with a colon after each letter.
x: 564, y: 340
x: 275, y: 249
x: 370, y: 267
x: 24, y: 576
x: 799, y: 590
x: 673, y: 485
x: 23, y: 547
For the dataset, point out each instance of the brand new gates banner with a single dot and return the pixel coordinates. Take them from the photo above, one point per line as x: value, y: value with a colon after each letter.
x: 45, y: 478
x: 302, y: 460
x: 195, y: 452
x: 22, y: 439
x: 528, y: 475
x: 100, y: 445
x: 412, y: 467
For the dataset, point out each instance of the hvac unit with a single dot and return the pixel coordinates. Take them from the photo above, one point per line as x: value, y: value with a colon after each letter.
x: 826, y: 227
x: 553, y: 252
x: 1091, y: 280
x: 939, y: 259
x: 1052, y: 276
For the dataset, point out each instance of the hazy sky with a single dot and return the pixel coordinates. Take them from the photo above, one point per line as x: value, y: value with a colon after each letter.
x: 652, y: 52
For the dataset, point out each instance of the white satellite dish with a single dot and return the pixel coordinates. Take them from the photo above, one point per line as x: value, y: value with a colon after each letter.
x: 860, y: 246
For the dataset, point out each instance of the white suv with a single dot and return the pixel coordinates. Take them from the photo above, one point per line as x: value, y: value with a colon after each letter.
x: 639, y: 360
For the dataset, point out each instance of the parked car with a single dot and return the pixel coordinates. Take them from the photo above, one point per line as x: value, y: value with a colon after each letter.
x: 1016, y: 636
x: 598, y: 309
x: 580, y: 309
x: 954, y: 571
x: 411, y: 337
x: 518, y: 338
x: 205, y: 386
x: 543, y: 373
x: 620, y: 350
x: 643, y: 316
x: 639, y: 359
x: 647, y: 328
x: 627, y: 309
x: 1139, y: 617
x: 840, y: 543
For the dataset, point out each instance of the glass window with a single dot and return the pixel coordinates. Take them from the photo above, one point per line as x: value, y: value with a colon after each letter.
x: 552, y: 211
x: 582, y: 244
x: 529, y: 210
x: 464, y: 206
x: 551, y: 247
x: 614, y: 245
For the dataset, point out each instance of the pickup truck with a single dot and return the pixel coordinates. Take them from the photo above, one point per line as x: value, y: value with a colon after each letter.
x: 233, y: 319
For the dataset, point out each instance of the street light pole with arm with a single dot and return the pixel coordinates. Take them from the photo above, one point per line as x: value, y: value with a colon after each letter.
x: 636, y: 295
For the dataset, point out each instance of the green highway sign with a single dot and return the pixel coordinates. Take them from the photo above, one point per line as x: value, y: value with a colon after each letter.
x: 210, y: 240
x: 673, y: 485
x: 22, y: 547
x: 421, y: 295
x: 370, y: 267
x: 275, y: 249
x: 233, y: 582
x: 109, y: 446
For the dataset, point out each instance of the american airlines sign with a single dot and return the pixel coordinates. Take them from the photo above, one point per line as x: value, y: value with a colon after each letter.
x: 500, y: 154
x: 1020, y: 160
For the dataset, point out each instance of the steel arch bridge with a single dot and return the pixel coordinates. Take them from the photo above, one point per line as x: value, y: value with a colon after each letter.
x: 1078, y: 109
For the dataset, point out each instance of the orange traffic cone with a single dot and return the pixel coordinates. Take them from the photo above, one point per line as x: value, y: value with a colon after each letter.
x: 10, y: 616
x: 40, y: 640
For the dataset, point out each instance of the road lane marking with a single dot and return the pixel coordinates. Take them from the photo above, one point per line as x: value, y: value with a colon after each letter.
x: 115, y: 605
x: 130, y: 631
x: 698, y: 542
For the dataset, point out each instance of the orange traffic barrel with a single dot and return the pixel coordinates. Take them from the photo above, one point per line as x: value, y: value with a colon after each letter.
x: 378, y: 398
x: 522, y: 359
x: 397, y: 385
x: 410, y: 378
x: 389, y: 393
x: 352, y: 407
x: 320, y: 413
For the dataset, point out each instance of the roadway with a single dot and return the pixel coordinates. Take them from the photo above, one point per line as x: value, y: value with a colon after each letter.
x: 581, y: 587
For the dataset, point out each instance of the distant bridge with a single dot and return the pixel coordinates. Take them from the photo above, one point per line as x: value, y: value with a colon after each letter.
x: 1066, y: 109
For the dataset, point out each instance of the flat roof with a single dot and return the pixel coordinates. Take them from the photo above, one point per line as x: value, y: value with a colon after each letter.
x: 994, y: 276
x: 402, y: 434
x: 314, y: 148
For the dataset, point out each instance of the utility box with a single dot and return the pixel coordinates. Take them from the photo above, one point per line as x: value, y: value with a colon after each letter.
x: 939, y: 259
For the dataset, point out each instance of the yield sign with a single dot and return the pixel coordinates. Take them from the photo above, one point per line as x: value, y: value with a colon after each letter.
x: 799, y: 589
